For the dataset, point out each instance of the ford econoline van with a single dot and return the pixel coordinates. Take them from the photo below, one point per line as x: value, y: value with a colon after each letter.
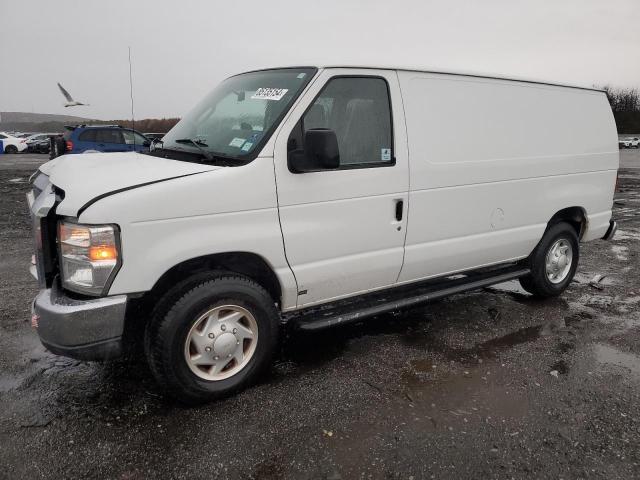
x: 315, y: 196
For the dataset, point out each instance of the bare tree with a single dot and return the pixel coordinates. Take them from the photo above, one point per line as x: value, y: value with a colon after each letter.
x: 623, y: 99
x: 625, y: 104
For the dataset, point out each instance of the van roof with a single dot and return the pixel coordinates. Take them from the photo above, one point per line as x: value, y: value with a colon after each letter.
x: 463, y: 73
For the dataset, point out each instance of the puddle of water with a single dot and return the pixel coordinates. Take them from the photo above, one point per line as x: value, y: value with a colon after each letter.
x: 471, y: 355
x: 608, y: 355
x: 423, y: 374
x: 524, y: 335
x: 455, y: 397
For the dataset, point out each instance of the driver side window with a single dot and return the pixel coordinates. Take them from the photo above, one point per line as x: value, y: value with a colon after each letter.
x: 358, y: 110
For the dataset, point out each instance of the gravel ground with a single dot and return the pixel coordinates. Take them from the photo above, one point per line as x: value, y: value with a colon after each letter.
x: 491, y: 384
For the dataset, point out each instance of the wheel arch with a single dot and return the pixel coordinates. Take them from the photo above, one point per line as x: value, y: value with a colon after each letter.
x: 575, y: 216
x: 248, y: 264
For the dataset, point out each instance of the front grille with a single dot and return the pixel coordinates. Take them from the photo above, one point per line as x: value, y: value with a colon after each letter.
x: 49, y: 247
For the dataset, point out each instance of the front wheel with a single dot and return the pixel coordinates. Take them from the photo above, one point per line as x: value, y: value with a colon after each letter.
x: 11, y: 149
x: 553, y: 263
x: 212, y: 338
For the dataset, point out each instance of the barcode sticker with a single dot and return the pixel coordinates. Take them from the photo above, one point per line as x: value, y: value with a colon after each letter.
x: 269, y: 93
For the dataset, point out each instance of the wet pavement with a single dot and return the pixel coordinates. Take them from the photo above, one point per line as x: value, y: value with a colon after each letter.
x: 491, y: 384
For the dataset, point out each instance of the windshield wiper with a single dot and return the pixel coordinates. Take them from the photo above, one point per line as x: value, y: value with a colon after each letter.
x: 198, y: 144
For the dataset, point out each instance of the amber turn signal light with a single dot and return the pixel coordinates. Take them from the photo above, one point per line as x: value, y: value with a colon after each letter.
x: 103, y: 252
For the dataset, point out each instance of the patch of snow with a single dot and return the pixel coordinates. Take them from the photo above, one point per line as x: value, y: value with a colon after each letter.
x: 627, y: 235
x: 512, y: 286
x: 622, y: 253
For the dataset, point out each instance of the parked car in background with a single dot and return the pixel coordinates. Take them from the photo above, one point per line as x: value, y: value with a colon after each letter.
x: 39, y: 142
x: 12, y: 144
x: 629, y: 142
x: 98, y: 138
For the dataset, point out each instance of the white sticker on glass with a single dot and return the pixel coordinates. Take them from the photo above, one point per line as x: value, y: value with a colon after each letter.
x: 269, y: 93
x: 385, y: 154
x: 301, y: 75
x: 236, y: 142
x: 246, y: 147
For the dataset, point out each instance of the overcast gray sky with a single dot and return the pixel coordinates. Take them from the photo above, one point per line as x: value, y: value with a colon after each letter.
x: 182, y: 49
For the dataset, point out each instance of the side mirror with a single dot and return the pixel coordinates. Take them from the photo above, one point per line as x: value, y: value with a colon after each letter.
x: 146, y: 143
x: 320, y: 152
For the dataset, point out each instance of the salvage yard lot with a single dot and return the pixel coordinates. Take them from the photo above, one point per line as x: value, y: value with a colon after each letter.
x: 491, y: 384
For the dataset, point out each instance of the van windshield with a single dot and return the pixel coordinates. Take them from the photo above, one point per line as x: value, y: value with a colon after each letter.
x: 236, y: 119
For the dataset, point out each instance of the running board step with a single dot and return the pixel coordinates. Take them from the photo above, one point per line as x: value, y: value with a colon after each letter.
x: 353, y: 310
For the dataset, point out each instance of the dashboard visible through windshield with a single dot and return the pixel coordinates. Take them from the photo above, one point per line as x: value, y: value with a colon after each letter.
x: 236, y: 119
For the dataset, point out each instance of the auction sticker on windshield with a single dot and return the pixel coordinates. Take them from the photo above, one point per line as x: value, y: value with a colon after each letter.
x: 269, y: 93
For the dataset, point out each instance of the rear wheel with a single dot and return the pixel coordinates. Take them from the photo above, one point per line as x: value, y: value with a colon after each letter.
x: 210, y: 338
x: 553, y: 263
x: 11, y: 149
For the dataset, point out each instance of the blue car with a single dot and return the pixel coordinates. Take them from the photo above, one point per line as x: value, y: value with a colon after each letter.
x: 99, y: 138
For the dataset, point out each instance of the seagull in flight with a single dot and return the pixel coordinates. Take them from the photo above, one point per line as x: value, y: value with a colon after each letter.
x: 70, y: 101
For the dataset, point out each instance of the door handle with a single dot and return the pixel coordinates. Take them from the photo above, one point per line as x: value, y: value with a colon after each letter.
x: 399, y: 209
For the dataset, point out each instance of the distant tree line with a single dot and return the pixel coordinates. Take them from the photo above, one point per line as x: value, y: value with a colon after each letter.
x: 149, y: 125
x: 625, y: 104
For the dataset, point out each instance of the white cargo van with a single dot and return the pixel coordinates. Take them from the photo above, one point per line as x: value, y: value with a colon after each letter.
x: 315, y: 196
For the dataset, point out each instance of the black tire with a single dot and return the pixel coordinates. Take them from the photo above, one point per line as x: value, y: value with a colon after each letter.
x: 11, y: 149
x: 172, y: 319
x: 538, y: 283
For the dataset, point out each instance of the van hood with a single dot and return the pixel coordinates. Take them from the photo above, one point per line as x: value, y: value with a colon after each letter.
x: 84, y: 178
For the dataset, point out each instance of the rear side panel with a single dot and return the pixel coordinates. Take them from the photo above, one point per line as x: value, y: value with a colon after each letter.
x: 491, y: 162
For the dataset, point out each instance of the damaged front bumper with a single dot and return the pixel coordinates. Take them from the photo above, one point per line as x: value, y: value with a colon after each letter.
x: 88, y: 328
x: 84, y: 329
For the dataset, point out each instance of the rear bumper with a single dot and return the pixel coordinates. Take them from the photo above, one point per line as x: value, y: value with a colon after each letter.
x: 83, y: 329
x: 613, y: 227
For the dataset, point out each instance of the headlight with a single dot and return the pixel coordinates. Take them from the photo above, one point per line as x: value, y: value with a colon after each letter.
x: 89, y: 256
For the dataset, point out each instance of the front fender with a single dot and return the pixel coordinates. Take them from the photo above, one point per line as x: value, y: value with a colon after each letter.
x: 232, y: 209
